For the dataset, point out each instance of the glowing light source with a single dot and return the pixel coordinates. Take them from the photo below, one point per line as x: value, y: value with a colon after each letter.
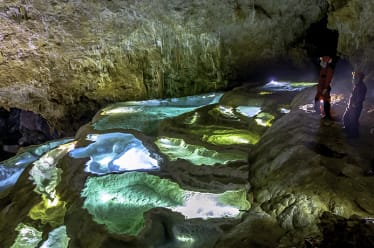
x: 178, y: 149
x: 186, y: 239
x: 287, y: 86
x: 133, y: 193
x: 116, y: 152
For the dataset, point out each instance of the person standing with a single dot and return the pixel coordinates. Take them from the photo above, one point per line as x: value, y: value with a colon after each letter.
x: 324, y: 87
x: 353, y: 111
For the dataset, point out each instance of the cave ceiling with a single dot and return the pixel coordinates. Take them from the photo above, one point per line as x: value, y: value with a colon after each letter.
x: 67, y: 59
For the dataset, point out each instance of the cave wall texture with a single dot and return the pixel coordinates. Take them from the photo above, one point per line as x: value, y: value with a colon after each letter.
x: 66, y: 59
x: 353, y: 21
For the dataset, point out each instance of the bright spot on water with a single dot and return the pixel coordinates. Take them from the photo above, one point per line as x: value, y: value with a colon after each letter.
x: 205, y: 206
x: 115, y: 152
x: 248, y: 111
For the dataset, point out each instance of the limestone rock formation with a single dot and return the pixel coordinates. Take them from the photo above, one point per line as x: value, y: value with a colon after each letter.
x: 303, y: 178
x: 67, y: 59
x: 304, y: 167
x: 352, y: 19
x: 255, y: 169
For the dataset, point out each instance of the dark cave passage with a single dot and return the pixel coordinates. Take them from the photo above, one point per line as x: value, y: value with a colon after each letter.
x: 320, y: 41
x: 317, y: 41
x: 20, y: 128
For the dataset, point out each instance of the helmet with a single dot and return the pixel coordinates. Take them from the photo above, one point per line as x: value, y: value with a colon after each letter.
x: 358, y: 75
x: 326, y: 59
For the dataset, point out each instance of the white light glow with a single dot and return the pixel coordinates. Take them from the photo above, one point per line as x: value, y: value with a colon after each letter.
x: 284, y: 111
x: 264, y: 119
x: 228, y: 112
x: 260, y: 122
x: 115, y: 152
x: 273, y: 83
x: 105, y: 197
x: 122, y: 110
x: 211, y: 207
x: 185, y: 239
x: 136, y: 159
x: 369, y: 220
x: 286, y: 86
x: 54, y: 201
x: 248, y: 111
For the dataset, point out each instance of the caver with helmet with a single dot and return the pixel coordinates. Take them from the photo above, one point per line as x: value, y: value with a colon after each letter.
x: 355, y: 104
x: 323, y: 89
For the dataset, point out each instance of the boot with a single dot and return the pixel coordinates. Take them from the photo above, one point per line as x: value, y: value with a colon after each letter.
x: 326, y: 109
x: 317, y: 106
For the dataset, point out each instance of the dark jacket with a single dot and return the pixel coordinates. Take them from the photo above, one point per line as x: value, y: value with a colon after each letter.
x: 358, y: 95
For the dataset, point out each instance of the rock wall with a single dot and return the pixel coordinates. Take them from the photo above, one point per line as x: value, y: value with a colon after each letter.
x: 353, y: 20
x: 66, y: 59
x: 304, y: 167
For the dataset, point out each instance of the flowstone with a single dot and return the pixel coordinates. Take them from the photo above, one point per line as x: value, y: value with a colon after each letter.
x: 176, y: 149
x: 119, y: 201
x: 116, y: 152
x: 11, y: 169
x: 185, y: 185
x: 145, y: 116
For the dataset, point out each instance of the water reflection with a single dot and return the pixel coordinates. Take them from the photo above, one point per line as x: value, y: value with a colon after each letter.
x: 144, y: 116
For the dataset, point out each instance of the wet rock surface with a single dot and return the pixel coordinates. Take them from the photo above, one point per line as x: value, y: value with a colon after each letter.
x: 304, y: 182
x: 312, y: 167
